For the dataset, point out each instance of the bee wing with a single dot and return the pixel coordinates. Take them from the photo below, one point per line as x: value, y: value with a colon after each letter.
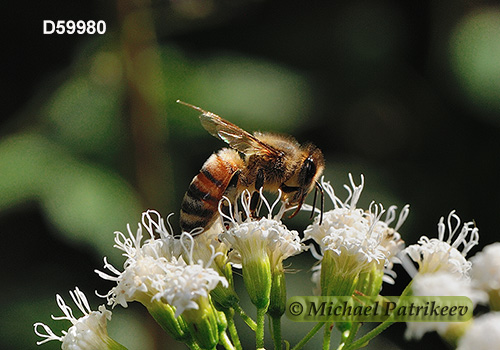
x: 235, y: 136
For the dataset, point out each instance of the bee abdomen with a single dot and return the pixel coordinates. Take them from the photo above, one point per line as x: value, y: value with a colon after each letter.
x: 199, y: 206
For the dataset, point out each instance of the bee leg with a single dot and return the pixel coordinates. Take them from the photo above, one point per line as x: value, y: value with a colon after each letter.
x: 254, y: 204
x: 314, y: 202
x: 319, y: 189
x: 255, y: 200
x: 224, y: 209
x: 322, y: 207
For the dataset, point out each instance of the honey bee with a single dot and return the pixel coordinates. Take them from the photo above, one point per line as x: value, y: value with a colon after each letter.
x: 253, y: 162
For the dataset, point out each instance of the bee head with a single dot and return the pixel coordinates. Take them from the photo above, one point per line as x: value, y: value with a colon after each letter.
x: 311, y: 168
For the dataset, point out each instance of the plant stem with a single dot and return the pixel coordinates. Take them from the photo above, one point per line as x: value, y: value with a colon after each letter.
x: 224, y: 340
x: 259, y: 331
x: 308, y: 336
x: 352, y: 333
x: 327, y: 335
x: 248, y: 320
x: 369, y: 336
x: 276, y: 328
x: 379, y: 329
x: 233, y: 332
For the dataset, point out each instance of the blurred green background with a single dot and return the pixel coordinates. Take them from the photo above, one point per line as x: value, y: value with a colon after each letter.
x: 406, y: 93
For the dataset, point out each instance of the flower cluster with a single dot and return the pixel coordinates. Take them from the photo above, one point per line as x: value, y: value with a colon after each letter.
x: 486, y: 273
x: 156, y: 271
x: 86, y: 332
x: 259, y: 247
x: 443, y: 269
x: 483, y: 334
x: 186, y: 281
x: 354, y: 243
x: 443, y: 254
x: 161, y: 274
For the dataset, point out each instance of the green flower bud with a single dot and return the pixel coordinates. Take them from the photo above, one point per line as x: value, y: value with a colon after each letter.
x: 257, y: 279
x: 370, y: 281
x: 164, y: 315
x: 226, y: 297
x: 339, y: 274
x: 277, y: 302
x: 203, y: 323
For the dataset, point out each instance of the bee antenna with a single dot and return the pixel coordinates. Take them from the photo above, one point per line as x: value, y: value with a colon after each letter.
x: 191, y: 106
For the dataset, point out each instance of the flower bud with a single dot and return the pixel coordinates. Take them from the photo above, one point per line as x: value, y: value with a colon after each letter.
x: 370, y: 282
x: 164, y: 315
x: 203, y: 323
x: 257, y: 279
x: 277, y: 302
x: 339, y: 276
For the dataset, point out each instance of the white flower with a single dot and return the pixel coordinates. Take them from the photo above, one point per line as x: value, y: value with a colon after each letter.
x: 186, y: 284
x: 442, y: 283
x: 486, y: 268
x: 362, y: 234
x: 446, y: 284
x: 356, y: 246
x: 268, y: 235
x: 155, y: 271
x: 436, y: 254
x: 143, y: 276
x: 484, y: 334
x: 87, y: 332
x: 205, y: 244
x: 259, y: 248
x: 390, y: 237
x: 154, y: 224
x: 343, y: 215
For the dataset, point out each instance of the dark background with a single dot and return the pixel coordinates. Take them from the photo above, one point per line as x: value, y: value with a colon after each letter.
x: 407, y: 94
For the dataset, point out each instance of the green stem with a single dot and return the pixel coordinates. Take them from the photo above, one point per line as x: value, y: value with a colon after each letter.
x: 352, y: 333
x: 308, y: 336
x: 379, y: 329
x: 224, y: 340
x: 327, y: 335
x: 345, y: 341
x: 369, y: 336
x: 248, y: 320
x: 259, y: 331
x: 233, y: 332
x: 276, y: 328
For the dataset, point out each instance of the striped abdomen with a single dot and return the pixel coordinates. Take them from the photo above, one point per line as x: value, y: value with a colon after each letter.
x: 200, y: 204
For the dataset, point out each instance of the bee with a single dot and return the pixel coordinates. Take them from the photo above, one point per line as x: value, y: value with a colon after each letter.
x: 253, y: 162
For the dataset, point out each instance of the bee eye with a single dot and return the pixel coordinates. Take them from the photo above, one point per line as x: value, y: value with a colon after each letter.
x: 308, y: 171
